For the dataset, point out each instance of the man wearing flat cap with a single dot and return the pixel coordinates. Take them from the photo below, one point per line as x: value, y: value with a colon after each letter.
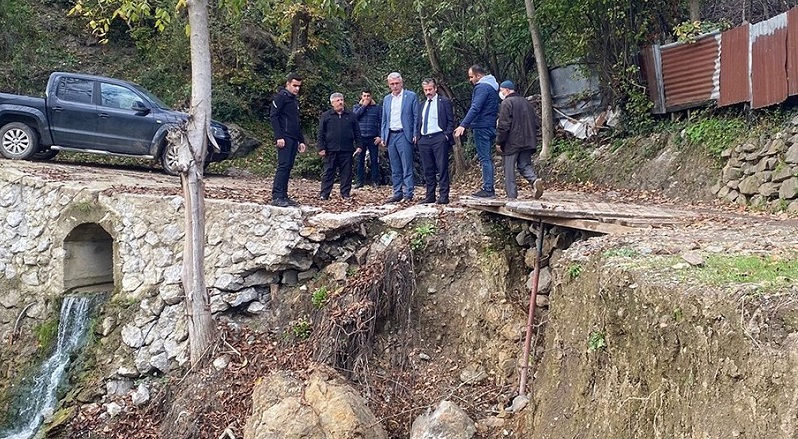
x: 516, y: 139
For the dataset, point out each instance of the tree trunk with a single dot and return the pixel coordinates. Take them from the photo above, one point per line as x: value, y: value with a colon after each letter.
x: 546, y: 104
x: 695, y: 10
x: 201, y: 328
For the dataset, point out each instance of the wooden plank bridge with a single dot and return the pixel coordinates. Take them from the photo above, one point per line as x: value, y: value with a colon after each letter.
x: 579, y: 211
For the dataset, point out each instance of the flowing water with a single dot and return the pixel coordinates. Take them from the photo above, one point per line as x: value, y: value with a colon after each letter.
x: 41, y: 399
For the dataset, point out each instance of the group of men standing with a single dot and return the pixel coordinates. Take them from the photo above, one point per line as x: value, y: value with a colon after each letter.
x: 401, y: 123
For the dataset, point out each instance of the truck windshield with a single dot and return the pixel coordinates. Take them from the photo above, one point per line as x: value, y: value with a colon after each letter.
x: 151, y: 96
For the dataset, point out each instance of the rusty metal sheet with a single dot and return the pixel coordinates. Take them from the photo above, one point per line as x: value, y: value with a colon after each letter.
x: 768, y: 41
x: 734, y: 73
x: 652, y: 71
x: 691, y: 72
x: 792, y: 51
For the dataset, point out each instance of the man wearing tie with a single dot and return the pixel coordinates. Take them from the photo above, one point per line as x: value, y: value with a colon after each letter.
x: 434, y: 140
x: 399, y: 119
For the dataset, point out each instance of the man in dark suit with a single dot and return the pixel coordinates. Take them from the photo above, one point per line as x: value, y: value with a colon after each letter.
x: 399, y: 120
x: 434, y: 133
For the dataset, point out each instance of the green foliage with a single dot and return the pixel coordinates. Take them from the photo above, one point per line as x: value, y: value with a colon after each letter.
x: 688, y: 31
x: 636, y: 104
x: 768, y: 273
x: 712, y: 133
x: 573, y: 271
x: 421, y: 234
x: 320, y: 297
x: 678, y: 314
x: 46, y: 333
x: 596, y: 341
x: 301, y: 329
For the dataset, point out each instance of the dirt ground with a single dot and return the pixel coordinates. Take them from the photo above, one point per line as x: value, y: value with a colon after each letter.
x: 469, y: 289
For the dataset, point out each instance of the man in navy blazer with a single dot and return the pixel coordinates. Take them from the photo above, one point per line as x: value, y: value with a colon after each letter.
x: 399, y: 119
x: 434, y: 133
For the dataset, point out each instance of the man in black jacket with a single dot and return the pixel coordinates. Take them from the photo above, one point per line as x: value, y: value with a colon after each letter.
x: 339, y: 131
x: 434, y: 134
x: 516, y: 140
x: 288, y: 135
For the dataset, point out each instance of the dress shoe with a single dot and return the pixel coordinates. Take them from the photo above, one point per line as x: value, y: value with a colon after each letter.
x: 442, y: 201
x: 394, y: 199
x: 426, y: 201
x: 280, y: 202
x: 484, y: 194
x: 291, y: 202
x: 537, y: 189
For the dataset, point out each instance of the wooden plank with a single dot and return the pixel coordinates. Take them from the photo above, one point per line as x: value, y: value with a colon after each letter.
x: 582, y: 224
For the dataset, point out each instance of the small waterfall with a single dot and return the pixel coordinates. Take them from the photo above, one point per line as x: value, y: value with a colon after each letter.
x: 41, y: 399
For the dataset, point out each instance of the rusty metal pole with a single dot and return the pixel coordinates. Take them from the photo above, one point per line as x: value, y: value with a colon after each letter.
x: 531, y: 316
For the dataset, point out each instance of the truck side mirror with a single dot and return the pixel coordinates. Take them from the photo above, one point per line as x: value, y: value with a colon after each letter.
x: 139, y: 107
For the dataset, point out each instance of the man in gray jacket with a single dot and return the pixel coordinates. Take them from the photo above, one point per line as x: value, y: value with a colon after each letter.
x: 516, y: 139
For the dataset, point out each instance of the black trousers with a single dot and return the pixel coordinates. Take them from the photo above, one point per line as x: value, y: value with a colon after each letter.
x: 285, y: 162
x: 337, y: 161
x: 434, y: 152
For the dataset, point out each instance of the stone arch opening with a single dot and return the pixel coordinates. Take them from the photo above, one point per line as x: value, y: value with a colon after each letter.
x: 89, y: 256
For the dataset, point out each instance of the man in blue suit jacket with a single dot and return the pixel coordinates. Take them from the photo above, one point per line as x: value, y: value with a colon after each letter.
x: 434, y: 133
x: 399, y: 119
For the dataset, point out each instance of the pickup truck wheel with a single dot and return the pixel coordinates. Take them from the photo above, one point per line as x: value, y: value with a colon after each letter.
x: 18, y: 141
x: 169, y: 159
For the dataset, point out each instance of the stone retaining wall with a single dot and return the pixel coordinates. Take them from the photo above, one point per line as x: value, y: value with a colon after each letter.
x: 763, y: 172
x: 251, y: 249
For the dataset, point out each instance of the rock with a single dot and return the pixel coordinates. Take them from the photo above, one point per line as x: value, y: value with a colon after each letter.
x: 783, y: 173
x: 283, y: 407
x: 256, y: 307
x: 10, y: 299
x: 473, y: 374
x: 731, y: 173
x: 789, y: 189
x: 171, y: 294
x: 107, y: 326
x: 792, y: 154
x: 141, y: 396
x: 544, y: 280
x: 241, y: 297
x: 447, y: 421
x: 228, y: 282
x: 127, y: 371
x: 113, y: 409
x: 307, y: 274
x: 693, y: 258
x: 261, y: 277
x: 519, y: 402
x: 290, y: 278
x: 522, y: 238
x: 423, y: 356
x: 542, y: 301
x: 513, y: 331
x: 769, y: 190
x: 59, y: 421
x: 118, y: 387
x: 750, y: 185
x: 221, y: 362
x: 132, y: 336
x: 337, y: 270
x: 400, y: 219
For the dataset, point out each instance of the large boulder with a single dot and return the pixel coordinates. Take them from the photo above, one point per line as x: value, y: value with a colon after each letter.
x: 447, y: 421
x: 325, y: 408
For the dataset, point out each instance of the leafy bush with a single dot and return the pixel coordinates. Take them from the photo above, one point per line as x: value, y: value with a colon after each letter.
x: 714, y: 134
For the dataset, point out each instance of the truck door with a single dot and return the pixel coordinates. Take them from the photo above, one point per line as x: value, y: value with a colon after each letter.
x: 72, y: 113
x: 126, y: 123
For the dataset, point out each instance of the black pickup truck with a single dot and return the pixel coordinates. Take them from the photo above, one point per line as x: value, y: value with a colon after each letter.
x: 84, y: 113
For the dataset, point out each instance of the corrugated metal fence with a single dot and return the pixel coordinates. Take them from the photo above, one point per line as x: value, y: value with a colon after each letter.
x: 755, y: 63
